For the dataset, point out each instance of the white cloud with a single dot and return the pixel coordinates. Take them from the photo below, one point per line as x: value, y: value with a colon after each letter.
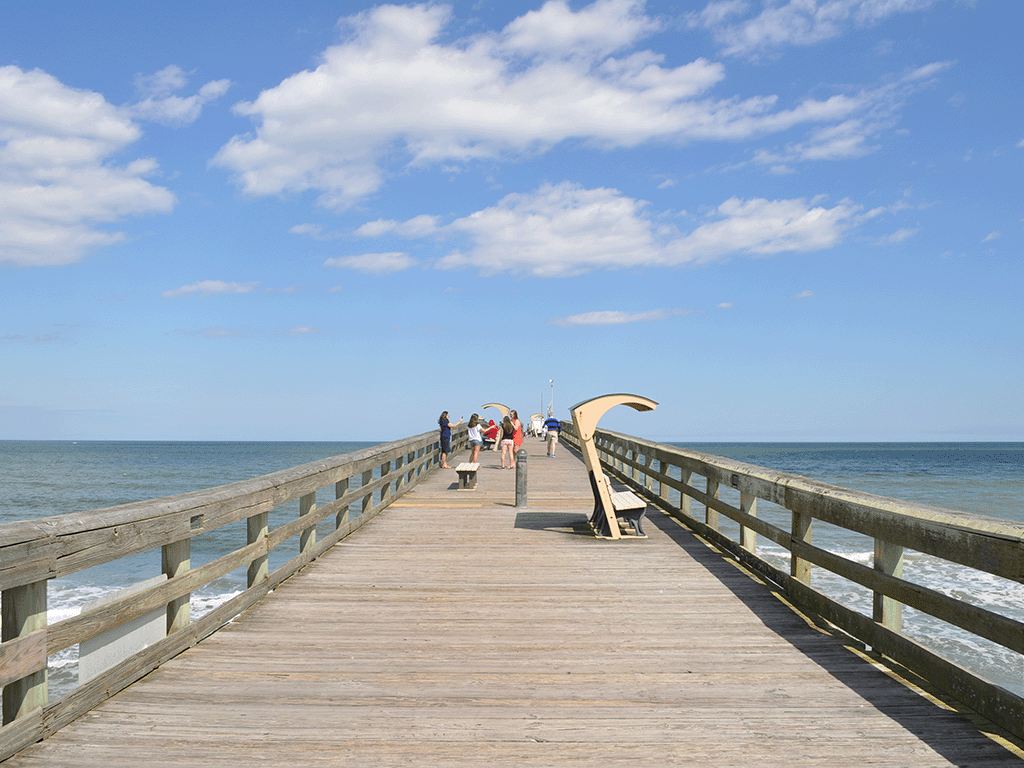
x: 161, y: 105
x: 619, y: 318
x: 797, y: 22
x: 899, y: 235
x: 397, y: 93
x: 724, y: 305
x: 374, y: 263
x: 1021, y: 143
x: 563, y: 230
x: 804, y: 295
x: 418, y: 226
x: 377, y: 228
x: 58, y: 188
x: 992, y: 236
x: 209, y: 287
x: 558, y: 231
x: 854, y: 137
x: 598, y: 29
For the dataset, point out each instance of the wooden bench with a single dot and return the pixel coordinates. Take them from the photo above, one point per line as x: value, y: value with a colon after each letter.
x: 625, y: 504
x: 467, y: 475
x: 609, y: 505
x: 630, y: 508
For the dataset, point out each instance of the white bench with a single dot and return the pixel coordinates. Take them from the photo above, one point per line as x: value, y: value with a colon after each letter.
x: 625, y: 504
x: 631, y: 508
x: 467, y: 475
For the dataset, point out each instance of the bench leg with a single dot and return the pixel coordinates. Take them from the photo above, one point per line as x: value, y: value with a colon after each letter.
x: 598, y: 519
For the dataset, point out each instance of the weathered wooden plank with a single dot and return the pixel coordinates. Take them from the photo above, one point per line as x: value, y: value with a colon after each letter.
x: 22, y: 656
x: 74, y: 629
x: 19, y: 733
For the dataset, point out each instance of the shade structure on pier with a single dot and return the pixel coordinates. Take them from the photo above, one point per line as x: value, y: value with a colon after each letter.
x: 585, y: 416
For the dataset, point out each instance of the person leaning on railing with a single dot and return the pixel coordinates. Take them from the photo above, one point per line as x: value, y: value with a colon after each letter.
x: 446, y: 437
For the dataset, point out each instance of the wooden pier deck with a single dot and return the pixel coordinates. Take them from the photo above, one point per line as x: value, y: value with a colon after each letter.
x: 458, y: 630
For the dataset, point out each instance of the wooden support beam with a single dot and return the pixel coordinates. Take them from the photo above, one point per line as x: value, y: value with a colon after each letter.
x: 23, y: 611
x: 177, y: 561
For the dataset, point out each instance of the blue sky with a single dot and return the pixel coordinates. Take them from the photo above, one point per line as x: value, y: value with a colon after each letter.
x: 788, y: 220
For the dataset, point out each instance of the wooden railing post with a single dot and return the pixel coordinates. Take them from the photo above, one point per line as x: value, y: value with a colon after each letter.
x: 307, y: 538
x: 802, y: 528
x: 684, y: 498
x: 748, y: 537
x: 367, y: 504
x: 711, y: 515
x: 400, y: 480
x: 176, y: 560
x: 340, y: 489
x: 257, y: 529
x: 385, y: 490
x: 889, y: 560
x: 23, y: 610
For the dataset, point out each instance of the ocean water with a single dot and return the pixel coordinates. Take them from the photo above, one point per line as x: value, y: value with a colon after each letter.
x: 41, y: 478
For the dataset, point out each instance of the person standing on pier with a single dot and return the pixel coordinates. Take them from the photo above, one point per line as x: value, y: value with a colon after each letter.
x: 476, y: 437
x: 517, y: 425
x: 446, y: 437
x: 553, y: 427
x: 508, y: 433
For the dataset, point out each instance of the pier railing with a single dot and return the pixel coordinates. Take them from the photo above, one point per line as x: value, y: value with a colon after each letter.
x: 672, y: 478
x: 34, y: 551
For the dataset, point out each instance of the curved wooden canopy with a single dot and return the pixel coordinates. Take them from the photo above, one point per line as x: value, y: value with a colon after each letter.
x: 503, y: 408
x: 587, y: 413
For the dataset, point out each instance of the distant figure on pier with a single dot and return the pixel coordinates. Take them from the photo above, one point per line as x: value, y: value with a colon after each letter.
x: 508, y: 434
x: 553, y: 427
x: 491, y: 435
x: 446, y: 437
x: 518, y: 426
x: 476, y: 437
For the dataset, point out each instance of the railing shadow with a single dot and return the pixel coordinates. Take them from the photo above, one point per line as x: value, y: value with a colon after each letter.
x: 949, y: 733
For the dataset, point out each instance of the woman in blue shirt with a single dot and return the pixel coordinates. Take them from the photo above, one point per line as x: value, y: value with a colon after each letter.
x: 446, y: 438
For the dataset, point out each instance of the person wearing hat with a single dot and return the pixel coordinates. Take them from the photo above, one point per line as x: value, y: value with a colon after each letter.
x: 553, y: 427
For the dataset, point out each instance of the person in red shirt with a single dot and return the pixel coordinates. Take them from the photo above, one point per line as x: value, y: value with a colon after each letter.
x: 491, y: 435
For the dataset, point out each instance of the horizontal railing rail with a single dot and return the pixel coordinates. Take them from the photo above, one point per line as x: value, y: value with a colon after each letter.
x: 990, y: 545
x: 32, y: 552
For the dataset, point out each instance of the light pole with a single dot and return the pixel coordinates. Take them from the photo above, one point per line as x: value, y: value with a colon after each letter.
x: 551, y: 404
